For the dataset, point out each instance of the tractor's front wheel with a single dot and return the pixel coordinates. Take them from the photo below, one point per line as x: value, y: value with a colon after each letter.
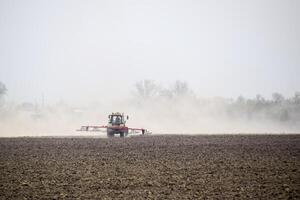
x: 110, y: 134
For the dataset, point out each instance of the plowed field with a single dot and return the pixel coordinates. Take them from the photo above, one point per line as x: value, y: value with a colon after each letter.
x: 152, y: 167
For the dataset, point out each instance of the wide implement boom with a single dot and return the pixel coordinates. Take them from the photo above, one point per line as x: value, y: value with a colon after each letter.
x: 116, y: 126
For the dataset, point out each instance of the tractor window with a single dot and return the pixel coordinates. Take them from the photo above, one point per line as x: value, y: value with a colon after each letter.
x: 117, y: 119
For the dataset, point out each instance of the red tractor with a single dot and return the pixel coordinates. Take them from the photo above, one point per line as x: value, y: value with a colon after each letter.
x: 116, y: 126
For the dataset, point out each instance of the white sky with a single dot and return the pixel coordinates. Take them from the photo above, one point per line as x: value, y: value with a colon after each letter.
x: 225, y: 48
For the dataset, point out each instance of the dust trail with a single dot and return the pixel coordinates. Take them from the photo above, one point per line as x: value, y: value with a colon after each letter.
x: 174, y: 109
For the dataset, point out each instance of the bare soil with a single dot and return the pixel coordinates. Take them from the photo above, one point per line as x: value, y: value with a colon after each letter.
x: 152, y: 167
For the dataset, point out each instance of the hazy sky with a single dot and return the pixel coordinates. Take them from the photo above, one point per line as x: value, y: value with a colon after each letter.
x: 226, y: 48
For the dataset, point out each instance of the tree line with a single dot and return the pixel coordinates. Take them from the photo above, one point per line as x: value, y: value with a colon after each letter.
x: 276, y: 108
x: 155, y: 96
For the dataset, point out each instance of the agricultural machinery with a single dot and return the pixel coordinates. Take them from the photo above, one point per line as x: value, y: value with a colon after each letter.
x: 116, y: 126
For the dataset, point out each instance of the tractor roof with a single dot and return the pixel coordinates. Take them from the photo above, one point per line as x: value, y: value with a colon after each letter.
x: 116, y: 113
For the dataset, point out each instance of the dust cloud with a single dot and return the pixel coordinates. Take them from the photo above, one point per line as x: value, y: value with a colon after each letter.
x: 167, y: 110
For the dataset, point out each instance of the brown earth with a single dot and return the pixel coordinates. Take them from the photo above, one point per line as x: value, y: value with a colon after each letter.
x: 153, y: 167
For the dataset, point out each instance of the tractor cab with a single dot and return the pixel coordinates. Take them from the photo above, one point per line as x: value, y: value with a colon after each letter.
x: 116, y: 119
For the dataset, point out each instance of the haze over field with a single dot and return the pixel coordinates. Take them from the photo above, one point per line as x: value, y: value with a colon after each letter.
x: 176, y: 109
x: 71, y: 63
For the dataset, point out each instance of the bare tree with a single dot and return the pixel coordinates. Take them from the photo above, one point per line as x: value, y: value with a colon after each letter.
x: 3, y: 89
x: 2, y: 93
x: 241, y: 99
x: 260, y: 99
x: 277, y: 97
x: 180, y: 88
x: 296, y: 98
x: 146, y: 89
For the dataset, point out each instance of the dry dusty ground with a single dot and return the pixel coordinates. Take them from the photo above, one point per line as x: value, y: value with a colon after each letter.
x: 153, y: 167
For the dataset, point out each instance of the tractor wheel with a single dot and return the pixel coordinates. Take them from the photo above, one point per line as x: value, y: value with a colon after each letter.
x: 110, y: 134
x: 126, y: 133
